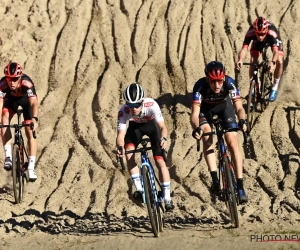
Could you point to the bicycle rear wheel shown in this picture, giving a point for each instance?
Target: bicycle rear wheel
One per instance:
(151, 203)
(231, 201)
(16, 174)
(251, 106)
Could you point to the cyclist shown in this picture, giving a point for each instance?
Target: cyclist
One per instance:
(17, 89)
(263, 32)
(217, 94)
(145, 118)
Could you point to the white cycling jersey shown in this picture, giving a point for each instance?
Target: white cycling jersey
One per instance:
(150, 111)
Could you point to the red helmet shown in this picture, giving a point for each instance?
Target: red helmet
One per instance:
(13, 69)
(215, 70)
(261, 25)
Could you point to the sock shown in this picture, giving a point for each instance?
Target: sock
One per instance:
(137, 181)
(214, 176)
(240, 185)
(275, 84)
(7, 150)
(31, 162)
(167, 190)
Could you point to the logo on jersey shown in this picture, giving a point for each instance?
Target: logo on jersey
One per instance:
(148, 104)
(127, 110)
(120, 114)
(30, 93)
(232, 94)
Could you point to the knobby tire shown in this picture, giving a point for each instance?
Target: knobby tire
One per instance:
(251, 106)
(230, 194)
(16, 162)
(150, 201)
(265, 85)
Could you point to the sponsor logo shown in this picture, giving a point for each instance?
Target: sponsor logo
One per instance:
(148, 104)
(29, 92)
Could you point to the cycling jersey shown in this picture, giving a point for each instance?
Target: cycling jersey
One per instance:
(150, 111)
(272, 38)
(26, 88)
(20, 97)
(203, 93)
(216, 104)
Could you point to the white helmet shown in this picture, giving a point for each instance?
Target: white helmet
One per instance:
(134, 93)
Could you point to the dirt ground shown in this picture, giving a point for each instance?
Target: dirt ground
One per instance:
(81, 55)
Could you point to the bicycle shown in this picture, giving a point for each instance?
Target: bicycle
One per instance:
(152, 197)
(259, 89)
(19, 164)
(229, 192)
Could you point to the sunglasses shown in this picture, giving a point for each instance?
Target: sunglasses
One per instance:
(13, 79)
(134, 105)
(260, 34)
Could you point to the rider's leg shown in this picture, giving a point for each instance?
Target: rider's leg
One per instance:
(237, 160)
(278, 72)
(209, 156)
(133, 168)
(32, 142)
(6, 138)
(164, 176)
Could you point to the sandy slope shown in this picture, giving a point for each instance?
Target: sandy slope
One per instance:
(81, 55)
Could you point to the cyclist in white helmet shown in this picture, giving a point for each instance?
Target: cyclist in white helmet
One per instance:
(145, 118)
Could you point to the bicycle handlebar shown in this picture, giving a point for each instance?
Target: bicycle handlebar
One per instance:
(19, 126)
(245, 135)
(139, 150)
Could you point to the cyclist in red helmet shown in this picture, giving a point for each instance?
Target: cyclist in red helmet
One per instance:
(217, 94)
(17, 89)
(263, 32)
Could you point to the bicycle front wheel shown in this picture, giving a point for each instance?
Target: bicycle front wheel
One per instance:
(251, 106)
(151, 203)
(230, 194)
(266, 84)
(16, 173)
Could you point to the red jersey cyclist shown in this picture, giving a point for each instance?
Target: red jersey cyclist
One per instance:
(17, 89)
(145, 118)
(262, 32)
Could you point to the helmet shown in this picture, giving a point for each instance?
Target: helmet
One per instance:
(260, 25)
(215, 70)
(134, 93)
(13, 69)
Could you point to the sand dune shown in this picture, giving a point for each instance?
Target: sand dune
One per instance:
(81, 55)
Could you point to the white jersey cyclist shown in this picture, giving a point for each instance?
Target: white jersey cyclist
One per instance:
(150, 110)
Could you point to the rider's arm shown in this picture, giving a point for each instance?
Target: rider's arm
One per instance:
(163, 129)
(120, 138)
(33, 101)
(241, 56)
(34, 106)
(1, 106)
(239, 109)
(194, 118)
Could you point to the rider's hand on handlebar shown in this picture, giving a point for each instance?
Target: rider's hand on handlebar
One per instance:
(119, 153)
(35, 123)
(163, 143)
(243, 125)
(197, 133)
(271, 67)
(239, 65)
